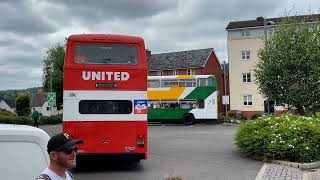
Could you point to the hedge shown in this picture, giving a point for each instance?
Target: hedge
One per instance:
(8, 118)
(288, 138)
(51, 120)
(15, 119)
(6, 113)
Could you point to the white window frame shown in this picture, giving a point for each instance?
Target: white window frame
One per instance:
(245, 32)
(191, 72)
(245, 55)
(246, 100)
(246, 77)
(175, 72)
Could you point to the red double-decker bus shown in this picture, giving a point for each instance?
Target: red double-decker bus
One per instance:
(105, 94)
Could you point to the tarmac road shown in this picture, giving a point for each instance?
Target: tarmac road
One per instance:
(199, 152)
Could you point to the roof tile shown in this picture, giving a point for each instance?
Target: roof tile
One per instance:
(179, 60)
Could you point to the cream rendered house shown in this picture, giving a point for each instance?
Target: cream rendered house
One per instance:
(244, 40)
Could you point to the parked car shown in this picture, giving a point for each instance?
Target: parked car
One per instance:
(23, 152)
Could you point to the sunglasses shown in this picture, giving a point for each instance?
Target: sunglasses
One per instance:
(69, 151)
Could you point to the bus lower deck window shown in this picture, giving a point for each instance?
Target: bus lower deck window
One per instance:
(105, 107)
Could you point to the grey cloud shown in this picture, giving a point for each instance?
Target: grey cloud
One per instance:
(18, 52)
(19, 17)
(96, 11)
(30, 27)
(20, 80)
(9, 45)
(235, 9)
(19, 76)
(22, 61)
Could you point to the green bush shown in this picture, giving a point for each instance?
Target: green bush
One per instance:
(15, 119)
(51, 120)
(6, 113)
(288, 138)
(23, 104)
(221, 118)
(9, 118)
(256, 115)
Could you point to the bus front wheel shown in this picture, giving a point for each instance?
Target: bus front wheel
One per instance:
(188, 119)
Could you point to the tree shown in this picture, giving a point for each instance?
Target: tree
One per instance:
(289, 67)
(23, 104)
(53, 72)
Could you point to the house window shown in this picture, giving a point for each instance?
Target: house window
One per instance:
(154, 83)
(175, 72)
(246, 77)
(245, 54)
(245, 33)
(191, 72)
(247, 100)
(160, 73)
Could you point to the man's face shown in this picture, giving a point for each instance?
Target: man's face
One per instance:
(66, 159)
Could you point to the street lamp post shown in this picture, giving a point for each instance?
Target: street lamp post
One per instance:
(50, 77)
(265, 23)
(225, 87)
(50, 74)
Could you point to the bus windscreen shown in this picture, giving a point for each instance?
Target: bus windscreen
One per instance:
(86, 53)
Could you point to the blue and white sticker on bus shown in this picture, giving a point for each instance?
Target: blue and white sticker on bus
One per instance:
(140, 107)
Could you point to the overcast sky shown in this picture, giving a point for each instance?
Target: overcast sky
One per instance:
(29, 27)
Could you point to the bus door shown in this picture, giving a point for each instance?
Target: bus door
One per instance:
(208, 96)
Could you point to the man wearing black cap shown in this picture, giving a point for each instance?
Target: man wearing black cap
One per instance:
(62, 151)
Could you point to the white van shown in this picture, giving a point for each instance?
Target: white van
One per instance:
(23, 152)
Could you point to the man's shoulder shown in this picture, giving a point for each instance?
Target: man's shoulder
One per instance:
(70, 174)
(43, 177)
(48, 174)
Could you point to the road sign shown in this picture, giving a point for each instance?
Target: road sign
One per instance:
(225, 100)
(51, 98)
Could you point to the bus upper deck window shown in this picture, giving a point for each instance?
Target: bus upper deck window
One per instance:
(80, 59)
(105, 54)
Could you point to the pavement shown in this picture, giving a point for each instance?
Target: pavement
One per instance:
(314, 175)
(278, 172)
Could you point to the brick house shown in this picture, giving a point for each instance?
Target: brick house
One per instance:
(192, 62)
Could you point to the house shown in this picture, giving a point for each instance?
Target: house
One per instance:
(7, 104)
(192, 62)
(40, 103)
(244, 40)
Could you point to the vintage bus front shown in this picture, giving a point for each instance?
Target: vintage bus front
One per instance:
(105, 95)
